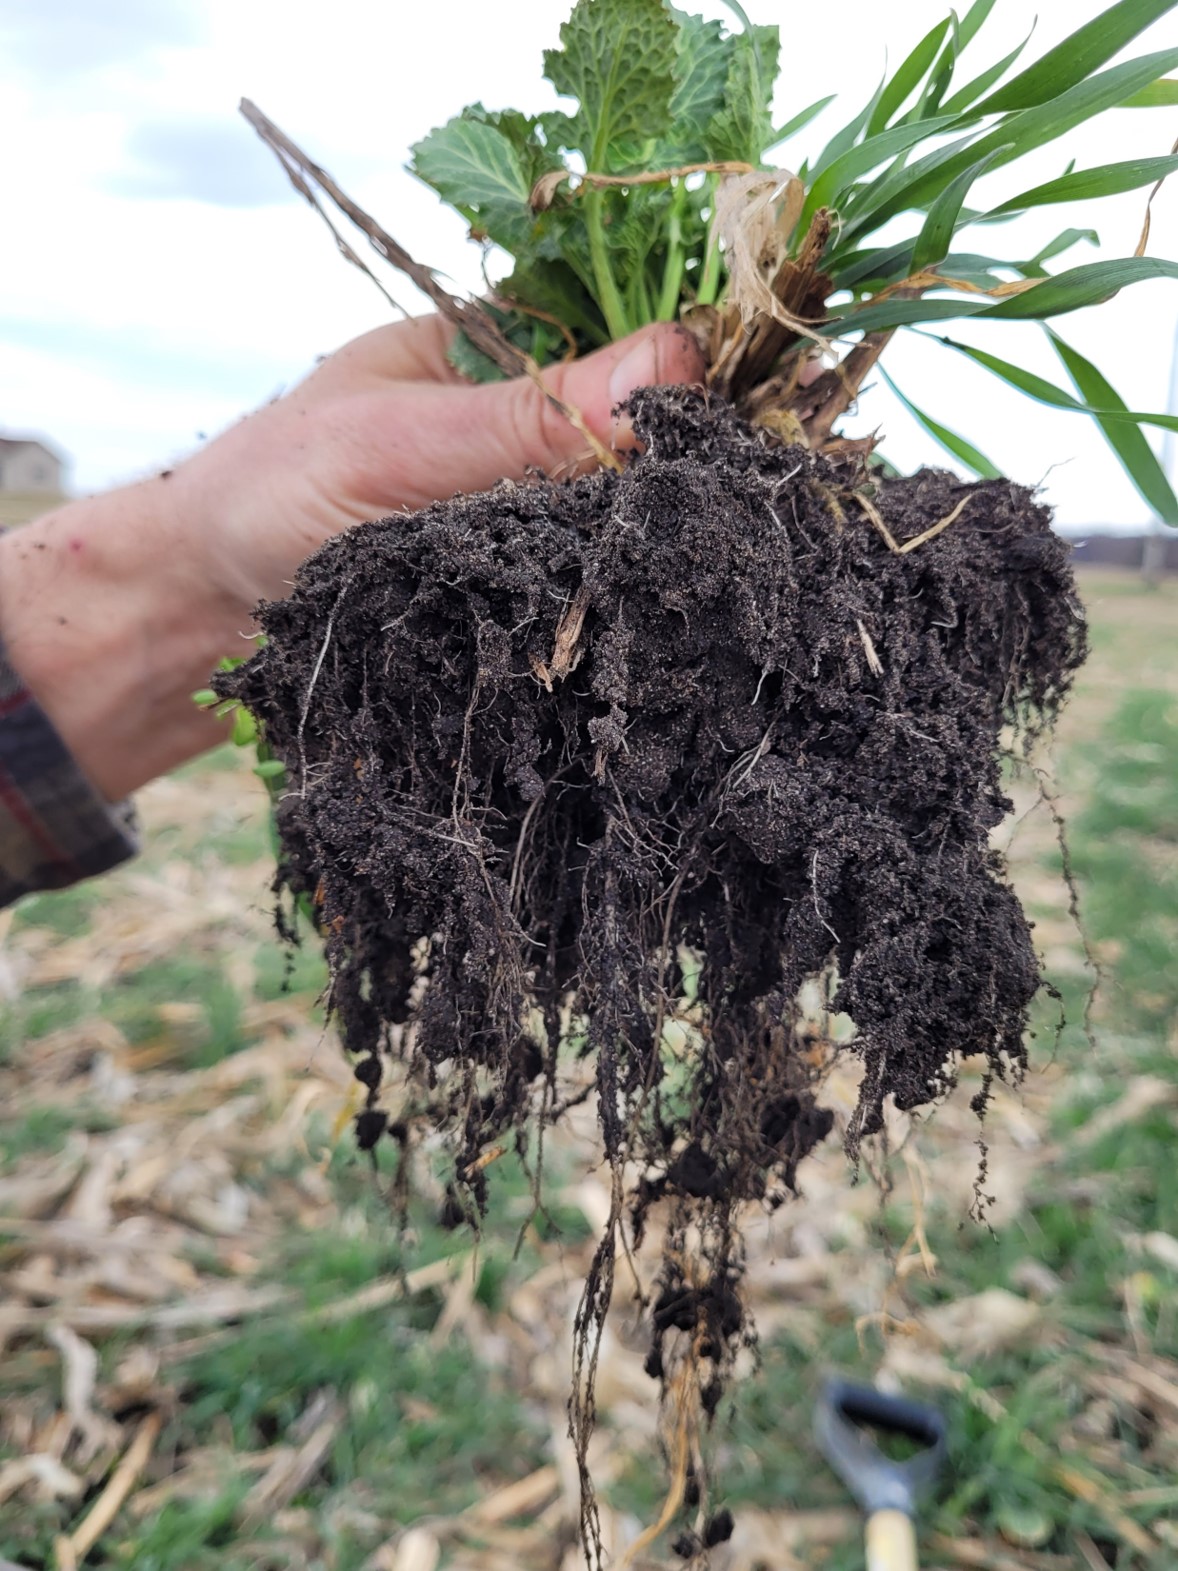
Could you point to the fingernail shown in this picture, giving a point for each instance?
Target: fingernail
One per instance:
(639, 368)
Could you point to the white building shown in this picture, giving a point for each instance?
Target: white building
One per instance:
(29, 466)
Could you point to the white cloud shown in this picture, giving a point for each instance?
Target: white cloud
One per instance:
(164, 282)
(204, 158)
(79, 38)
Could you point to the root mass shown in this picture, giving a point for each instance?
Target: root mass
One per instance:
(610, 768)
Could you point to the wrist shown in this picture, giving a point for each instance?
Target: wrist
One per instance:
(112, 624)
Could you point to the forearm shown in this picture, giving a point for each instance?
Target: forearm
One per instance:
(111, 622)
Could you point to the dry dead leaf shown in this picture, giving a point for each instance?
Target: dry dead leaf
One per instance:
(756, 215)
(414, 1550)
(292, 1470)
(52, 1480)
(983, 1323)
(79, 1377)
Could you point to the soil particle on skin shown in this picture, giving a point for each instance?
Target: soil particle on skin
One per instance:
(554, 747)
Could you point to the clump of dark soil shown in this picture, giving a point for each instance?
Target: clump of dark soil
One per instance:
(611, 767)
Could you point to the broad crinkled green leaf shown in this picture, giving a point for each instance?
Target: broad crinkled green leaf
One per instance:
(617, 59)
(555, 287)
(471, 162)
(470, 362)
(743, 128)
(703, 57)
(519, 329)
(473, 165)
(535, 156)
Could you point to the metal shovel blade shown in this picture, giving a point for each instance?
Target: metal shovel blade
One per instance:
(841, 1420)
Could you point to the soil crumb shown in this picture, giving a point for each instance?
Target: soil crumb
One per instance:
(611, 768)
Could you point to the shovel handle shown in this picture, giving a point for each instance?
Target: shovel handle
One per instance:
(891, 1542)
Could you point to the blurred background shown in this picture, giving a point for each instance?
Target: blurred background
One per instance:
(218, 1350)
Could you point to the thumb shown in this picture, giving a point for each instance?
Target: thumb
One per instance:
(515, 427)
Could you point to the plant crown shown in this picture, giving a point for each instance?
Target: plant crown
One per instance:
(653, 89)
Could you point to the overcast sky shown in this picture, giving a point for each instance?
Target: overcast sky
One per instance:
(158, 278)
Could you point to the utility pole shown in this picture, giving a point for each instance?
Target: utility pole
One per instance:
(1153, 551)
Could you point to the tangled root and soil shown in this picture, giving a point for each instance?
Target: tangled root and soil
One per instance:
(612, 767)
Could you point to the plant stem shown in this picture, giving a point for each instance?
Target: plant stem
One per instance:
(709, 284)
(642, 307)
(668, 306)
(608, 293)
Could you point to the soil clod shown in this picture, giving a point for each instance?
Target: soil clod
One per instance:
(612, 768)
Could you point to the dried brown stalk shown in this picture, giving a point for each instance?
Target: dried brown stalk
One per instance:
(1143, 242)
(73, 1550)
(471, 316)
(825, 400)
(545, 189)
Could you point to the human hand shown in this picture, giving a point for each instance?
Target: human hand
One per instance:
(116, 608)
(386, 424)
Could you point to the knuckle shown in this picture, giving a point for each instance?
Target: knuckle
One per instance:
(539, 430)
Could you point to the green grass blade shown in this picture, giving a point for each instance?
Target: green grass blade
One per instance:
(1046, 392)
(798, 121)
(1158, 95)
(984, 81)
(880, 191)
(1127, 441)
(967, 28)
(883, 465)
(908, 77)
(940, 77)
(944, 216)
(923, 181)
(889, 264)
(1070, 291)
(1081, 53)
(1088, 184)
(881, 264)
(859, 160)
(1081, 286)
(1036, 387)
(871, 318)
(965, 452)
(842, 140)
(1064, 242)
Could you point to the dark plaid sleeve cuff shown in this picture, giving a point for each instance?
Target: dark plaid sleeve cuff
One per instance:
(54, 826)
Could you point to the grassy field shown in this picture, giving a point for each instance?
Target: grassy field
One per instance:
(218, 1351)
(19, 507)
